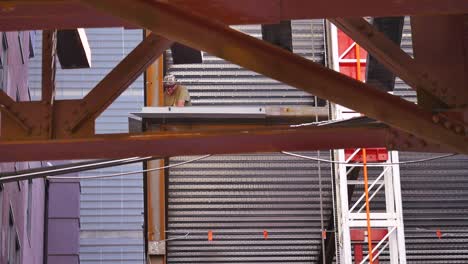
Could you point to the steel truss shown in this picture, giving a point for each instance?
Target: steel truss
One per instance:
(42, 124)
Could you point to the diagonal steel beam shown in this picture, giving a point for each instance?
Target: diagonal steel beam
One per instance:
(119, 79)
(389, 54)
(222, 41)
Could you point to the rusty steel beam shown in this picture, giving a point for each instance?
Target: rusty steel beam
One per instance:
(49, 50)
(119, 79)
(390, 55)
(165, 144)
(49, 67)
(440, 48)
(68, 14)
(254, 54)
(10, 110)
(273, 11)
(51, 14)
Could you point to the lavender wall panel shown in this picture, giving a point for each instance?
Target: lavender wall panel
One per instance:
(15, 195)
(63, 236)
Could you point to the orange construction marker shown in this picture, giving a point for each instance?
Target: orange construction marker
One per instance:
(210, 235)
(265, 234)
(439, 234)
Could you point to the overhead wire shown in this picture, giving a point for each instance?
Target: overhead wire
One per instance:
(20, 177)
(369, 165)
(130, 172)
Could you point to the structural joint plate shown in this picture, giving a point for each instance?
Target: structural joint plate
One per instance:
(157, 247)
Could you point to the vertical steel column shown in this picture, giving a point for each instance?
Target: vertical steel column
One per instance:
(156, 180)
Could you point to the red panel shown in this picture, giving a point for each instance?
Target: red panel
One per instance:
(349, 68)
(373, 155)
(358, 255)
(357, 235)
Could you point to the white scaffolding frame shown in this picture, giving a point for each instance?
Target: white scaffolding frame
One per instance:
(351, 218)
(348, 217)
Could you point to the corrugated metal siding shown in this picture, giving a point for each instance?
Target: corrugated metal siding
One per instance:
(401, 88)
(217, 82)
(435, 197)
(237, 197)
(111, 209)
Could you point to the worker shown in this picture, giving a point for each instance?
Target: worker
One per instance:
(174, 93)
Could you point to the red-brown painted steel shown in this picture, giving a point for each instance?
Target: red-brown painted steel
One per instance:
(162, 144)
(49, 14)
(440, 49)
(119, 79)
(276, 63)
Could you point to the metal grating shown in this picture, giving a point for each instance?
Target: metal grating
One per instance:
(435, 197)
(237, 197)
(217, 82)
(401, 88)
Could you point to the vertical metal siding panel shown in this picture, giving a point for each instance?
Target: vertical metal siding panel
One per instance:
(401, 88)
(435, 196)
(239, 196)
(218, 82)
(111, 209)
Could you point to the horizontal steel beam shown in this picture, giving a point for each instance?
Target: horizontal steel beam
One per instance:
(264, 11)
(165, 144)
(254, 54)
(66, 14)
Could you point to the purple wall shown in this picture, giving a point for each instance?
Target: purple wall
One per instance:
(64, 196)
(64, 222)
(15, 195)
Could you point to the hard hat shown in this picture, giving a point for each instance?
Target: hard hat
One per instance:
(169, 80)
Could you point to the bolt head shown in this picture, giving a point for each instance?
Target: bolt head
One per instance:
(447, 124)
(459, 129)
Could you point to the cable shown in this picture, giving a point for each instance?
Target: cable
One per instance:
(177, 237)
(63, 169)
(128, 173)
(368, 165)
